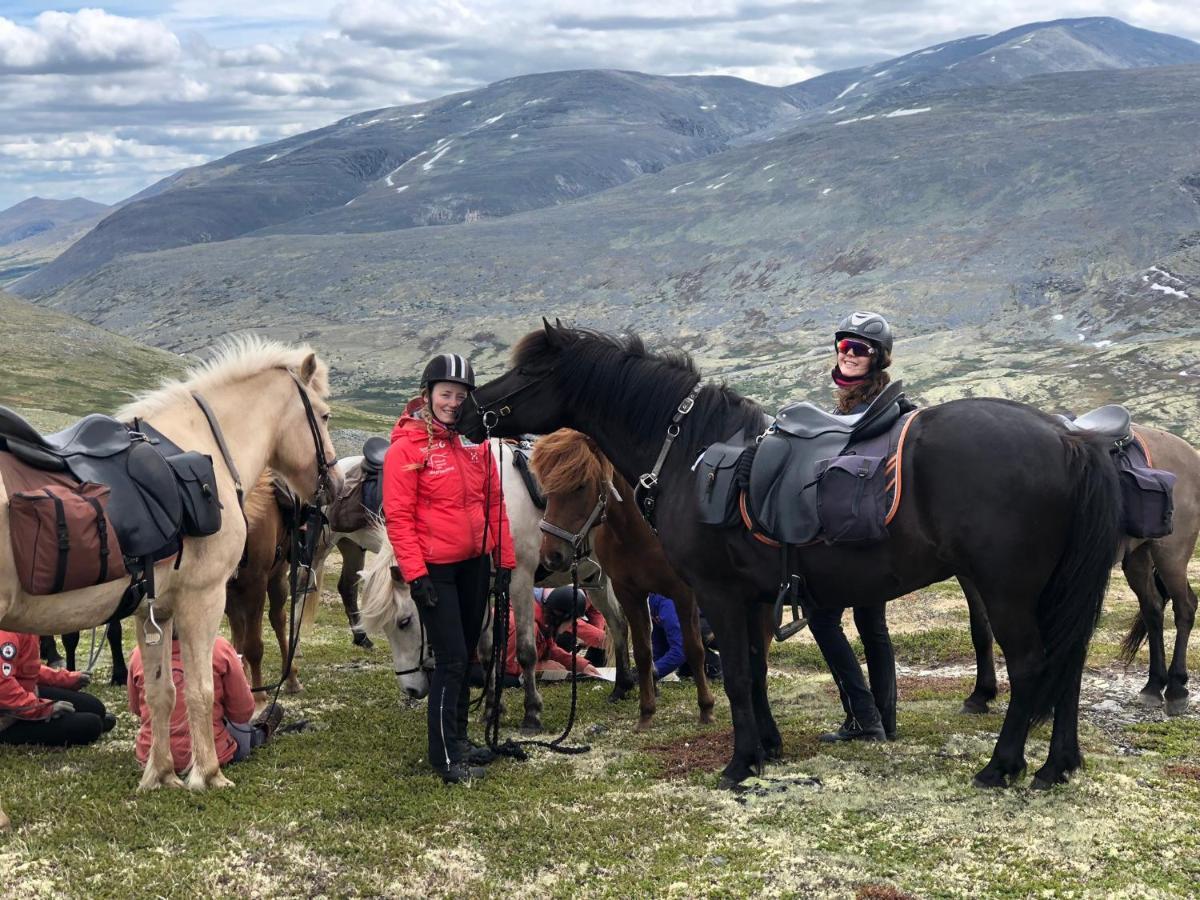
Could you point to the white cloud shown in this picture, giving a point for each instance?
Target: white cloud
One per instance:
(86, 41)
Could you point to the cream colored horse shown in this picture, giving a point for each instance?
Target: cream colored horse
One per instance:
(253, 387)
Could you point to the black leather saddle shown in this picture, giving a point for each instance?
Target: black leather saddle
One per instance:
(144, 506)
(792, 455)
(1111, 421)
(374, 450)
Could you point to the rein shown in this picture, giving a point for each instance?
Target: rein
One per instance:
(646, 492)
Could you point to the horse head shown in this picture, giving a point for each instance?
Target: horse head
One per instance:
(303, 453)
(388, 607)
(577, 480)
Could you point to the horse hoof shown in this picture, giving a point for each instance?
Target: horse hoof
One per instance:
(118, 680)
(707, 717)
(152, 781)
(616, 696)
(989, 780)
(361, 640)
(528, 728)
(1150, 699)
(292, 687)
(726, 783)
(1177, 707)
(644, 724)
(973, 708)
(197, 782)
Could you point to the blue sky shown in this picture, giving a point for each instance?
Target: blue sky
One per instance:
(101, 100)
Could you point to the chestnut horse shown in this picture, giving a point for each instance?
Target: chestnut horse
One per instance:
(268, 400)
(993, 490)
(585, 497)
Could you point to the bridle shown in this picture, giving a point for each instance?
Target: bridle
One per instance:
(424, 663)
(577, 540)
(490, 417)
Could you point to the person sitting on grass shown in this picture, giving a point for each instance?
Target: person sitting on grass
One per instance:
(550, 615)
(590, 629)
(666, 636)
(233, 708)
(41, 705)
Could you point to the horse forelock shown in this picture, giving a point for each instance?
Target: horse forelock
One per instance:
(566, 459)
(234, 359)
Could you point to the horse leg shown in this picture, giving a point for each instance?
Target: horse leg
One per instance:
(1172, 570)
(1064, 756)
(1138, 566)
(772, 742)
(199, 635)
(49, 650)
(353, 558)
(617, 642)
(70, 647)
(730, 625)
(693, 649)
(522, 605)
(985, 662)
(252, 638)
(120, 674)
(277, 592)
(160, 697)
(637, 613)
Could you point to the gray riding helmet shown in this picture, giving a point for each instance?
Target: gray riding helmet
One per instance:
(867, 325)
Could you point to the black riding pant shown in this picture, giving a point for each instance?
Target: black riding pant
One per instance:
(866, 706)
(452, 628)
(83, 726)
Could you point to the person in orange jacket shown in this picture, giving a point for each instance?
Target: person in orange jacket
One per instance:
(233, 708)
(445, 516)
(41, 705)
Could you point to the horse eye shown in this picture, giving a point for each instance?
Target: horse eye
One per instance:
(404, 623)
(325, 418)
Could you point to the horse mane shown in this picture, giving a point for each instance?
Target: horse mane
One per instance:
(566, 459)
(379, 603)
(234, 359)
(619, 376)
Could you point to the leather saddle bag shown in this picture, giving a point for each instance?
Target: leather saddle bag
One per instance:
(63, 538)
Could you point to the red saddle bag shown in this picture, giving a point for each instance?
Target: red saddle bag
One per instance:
(63, 539)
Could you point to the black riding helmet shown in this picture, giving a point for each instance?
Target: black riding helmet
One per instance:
(561, 606)
(448, 367)
(868, 326)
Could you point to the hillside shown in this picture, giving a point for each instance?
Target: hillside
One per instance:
(37, 230)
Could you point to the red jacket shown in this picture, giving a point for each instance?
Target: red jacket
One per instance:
(433, 499)
(591, 627)
(21, 671)
(547, 648)
(231, 700)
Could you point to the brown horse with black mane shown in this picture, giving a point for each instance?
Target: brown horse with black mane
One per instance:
(584, 493)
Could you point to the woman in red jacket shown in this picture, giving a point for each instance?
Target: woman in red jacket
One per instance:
(446, 520)
(41, 705)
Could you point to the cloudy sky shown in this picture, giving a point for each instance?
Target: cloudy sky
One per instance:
(101, 101)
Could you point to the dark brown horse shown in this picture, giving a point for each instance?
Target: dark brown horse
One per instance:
(263, 574)
(1155, 569)
(583, 492)
(993, 490)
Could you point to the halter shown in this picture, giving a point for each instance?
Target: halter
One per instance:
(599, 514)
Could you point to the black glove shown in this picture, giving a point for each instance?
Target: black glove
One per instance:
(563, 639)
(423, 592)
(503, 581)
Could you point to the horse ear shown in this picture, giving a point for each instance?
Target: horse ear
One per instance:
(396, 576)
(308, 368)
(552, 332)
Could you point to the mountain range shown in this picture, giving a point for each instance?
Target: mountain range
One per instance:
(1027, 190)
(35, 231)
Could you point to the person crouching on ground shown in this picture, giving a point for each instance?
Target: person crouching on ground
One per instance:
(234, 733)
(42, 705)
(446, 520)
(551, 616)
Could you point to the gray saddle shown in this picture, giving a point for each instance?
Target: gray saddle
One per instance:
(145, 506)
(374, 450)
(795, 453)
(1111, 421)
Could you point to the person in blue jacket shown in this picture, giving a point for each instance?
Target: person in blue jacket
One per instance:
(666, 636)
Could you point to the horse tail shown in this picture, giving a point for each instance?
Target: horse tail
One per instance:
(1070, 603)
(1137, 628)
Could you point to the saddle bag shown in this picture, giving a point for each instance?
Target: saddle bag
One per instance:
(717, 484)
(1147, 501)
(197, 492)
(63, 538)
(852, 502)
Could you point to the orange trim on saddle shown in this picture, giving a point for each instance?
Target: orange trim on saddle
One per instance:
(896, 466)
(750, 525)
(1141, 441)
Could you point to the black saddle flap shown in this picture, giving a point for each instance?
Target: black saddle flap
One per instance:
(716, 484)
(146, 509)
(198, 493)
(373, 451)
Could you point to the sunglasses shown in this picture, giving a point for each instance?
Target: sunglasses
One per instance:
(854, 348)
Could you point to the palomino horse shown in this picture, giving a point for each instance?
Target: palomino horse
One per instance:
(584, 494)
(269, 402)
(992, 489)
(1155, 569)
(262, 575)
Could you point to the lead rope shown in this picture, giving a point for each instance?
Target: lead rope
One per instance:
(500, 643)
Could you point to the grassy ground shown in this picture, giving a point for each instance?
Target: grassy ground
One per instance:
(349, 807)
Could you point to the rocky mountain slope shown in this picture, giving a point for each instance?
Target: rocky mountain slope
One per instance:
(37, 230)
